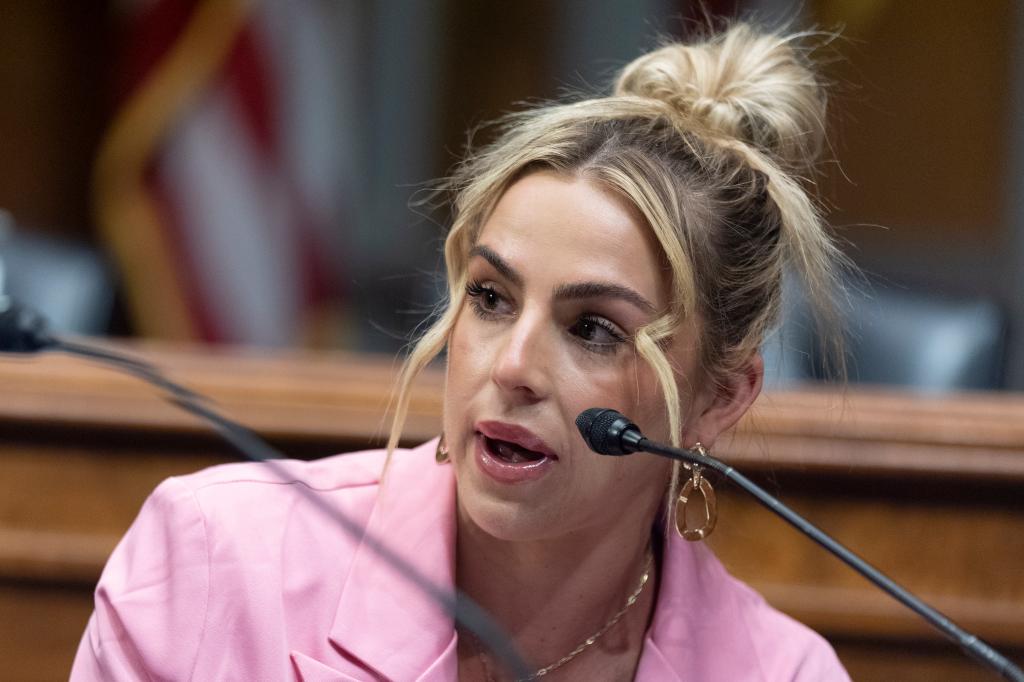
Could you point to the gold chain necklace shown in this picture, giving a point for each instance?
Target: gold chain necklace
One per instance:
(585, 644)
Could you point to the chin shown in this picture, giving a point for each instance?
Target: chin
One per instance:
(509, 519)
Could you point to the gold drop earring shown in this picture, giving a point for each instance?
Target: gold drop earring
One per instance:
(441, 454)
(696, 484)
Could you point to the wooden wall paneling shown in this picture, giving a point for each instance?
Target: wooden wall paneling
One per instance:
(41, 625)
(55, 70)
(920, 116)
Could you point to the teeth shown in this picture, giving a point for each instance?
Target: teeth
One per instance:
(513, 453)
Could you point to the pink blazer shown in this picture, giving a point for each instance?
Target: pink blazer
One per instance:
(232, 574)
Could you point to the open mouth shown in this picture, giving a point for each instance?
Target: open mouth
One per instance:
(511, 453)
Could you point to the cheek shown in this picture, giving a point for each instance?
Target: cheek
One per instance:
(635, 392)
(467, 370)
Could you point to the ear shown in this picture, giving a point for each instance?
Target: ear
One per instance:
(720, 410)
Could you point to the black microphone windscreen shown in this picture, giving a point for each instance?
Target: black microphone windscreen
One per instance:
(595, 426)
(586, 419)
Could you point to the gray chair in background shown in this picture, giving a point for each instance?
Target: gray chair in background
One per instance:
(69, 283)
(925, 343)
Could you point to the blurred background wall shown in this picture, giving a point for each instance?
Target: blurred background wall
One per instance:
(243, 172)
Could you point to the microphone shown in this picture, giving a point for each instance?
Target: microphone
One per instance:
(21, 330)
(24, 331)
(609, 432)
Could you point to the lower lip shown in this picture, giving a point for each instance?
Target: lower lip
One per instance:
(505, 472)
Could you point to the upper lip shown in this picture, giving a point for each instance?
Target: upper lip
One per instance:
(513, 433)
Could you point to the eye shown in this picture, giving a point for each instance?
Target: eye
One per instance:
(489, 299)
(597, 333)
(485, 300)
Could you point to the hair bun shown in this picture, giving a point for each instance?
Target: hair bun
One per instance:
(744, 84)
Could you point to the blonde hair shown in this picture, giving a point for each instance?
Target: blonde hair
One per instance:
(713, 142)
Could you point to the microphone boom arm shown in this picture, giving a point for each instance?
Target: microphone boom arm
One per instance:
(608, 432)
(971, 644)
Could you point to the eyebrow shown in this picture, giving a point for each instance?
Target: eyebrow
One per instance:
(499, 263)
(582, 290)
(564, 292)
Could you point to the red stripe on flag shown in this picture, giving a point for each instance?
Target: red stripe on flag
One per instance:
(249, 79)
(248, 76)
(318, 283)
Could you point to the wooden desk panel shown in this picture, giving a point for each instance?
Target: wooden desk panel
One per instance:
(931, 490)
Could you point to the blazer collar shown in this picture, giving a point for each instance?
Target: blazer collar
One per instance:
(382, 620)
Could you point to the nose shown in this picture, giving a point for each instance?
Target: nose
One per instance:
(521, 368)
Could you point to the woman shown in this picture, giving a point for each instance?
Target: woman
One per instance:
(621, 252)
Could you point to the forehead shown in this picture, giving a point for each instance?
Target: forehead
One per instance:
(576, 228)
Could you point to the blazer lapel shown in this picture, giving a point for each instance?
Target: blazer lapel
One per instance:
(654, 666)
(311, 670)
(694, 619)
(382, 619)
